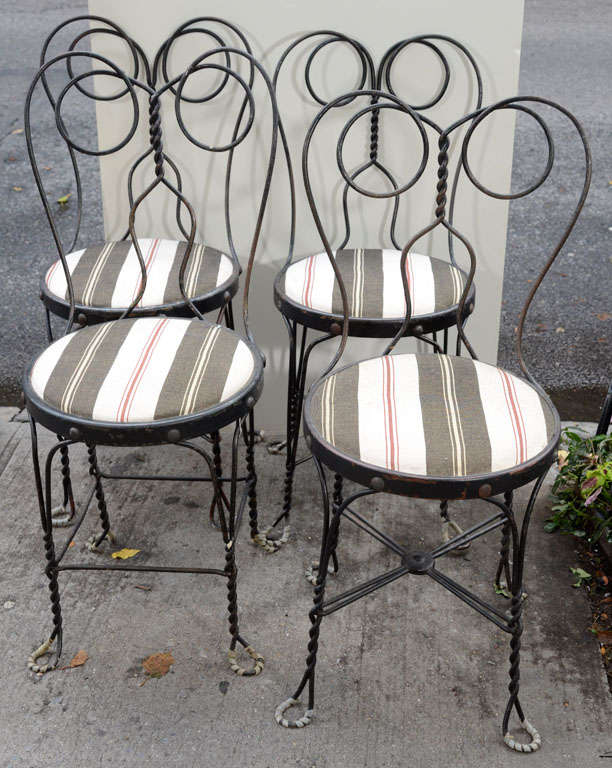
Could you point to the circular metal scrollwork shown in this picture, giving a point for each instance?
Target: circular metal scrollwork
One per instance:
(443, 60)
(319, 47)
(470, 132)
(113, 72)
(248, 96)
(377, 106)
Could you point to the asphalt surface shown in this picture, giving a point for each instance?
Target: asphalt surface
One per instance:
(566, 56)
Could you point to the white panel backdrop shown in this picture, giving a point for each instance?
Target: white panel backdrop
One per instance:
(492, 32)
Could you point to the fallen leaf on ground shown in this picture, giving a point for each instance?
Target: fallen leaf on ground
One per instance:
(79, 659)
(124, 554)
(17, 189)
(158, 664)
(17, 130)
(47, 167)
(71, 544)
(604, 635)
(64, 199)
(144, 587)
(603, 315)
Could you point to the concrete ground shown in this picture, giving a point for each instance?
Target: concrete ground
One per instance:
(566, 56)
(407, 676)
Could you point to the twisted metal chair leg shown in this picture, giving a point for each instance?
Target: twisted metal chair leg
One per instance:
(516, 626)
(61, 516)
(312, 571)
(329, 544)
(504, 586)
(232, 608)
(94, 542)
(51, 571)
(216, 450)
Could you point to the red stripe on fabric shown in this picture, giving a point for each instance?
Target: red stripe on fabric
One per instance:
(391, 449)
(511, 414)
(309, 282)
(410, 276)
(143, 360)
(149, 259)
(50, 273)
(520, 422)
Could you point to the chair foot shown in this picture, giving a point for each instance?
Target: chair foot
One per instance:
(312, 572)
(258, 666)
(94, 542)
(42, 650)
(61, 516)
(262, 539)
(517, 746)
(301, 722)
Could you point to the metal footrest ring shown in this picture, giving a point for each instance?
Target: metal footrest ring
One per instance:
(42, 650)
(262, 539)
(301, 722)
(61, 516)
(232, 655)
(97, 548)
(517, 746)
(312, 572)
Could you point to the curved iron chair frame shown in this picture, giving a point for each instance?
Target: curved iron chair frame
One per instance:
(424, 328)
(375, 480)
(220, 299)
(237, 410)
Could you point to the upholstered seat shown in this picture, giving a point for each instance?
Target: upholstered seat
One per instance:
(142, 370)
(431, 416)
(373, 284)
(108, 275)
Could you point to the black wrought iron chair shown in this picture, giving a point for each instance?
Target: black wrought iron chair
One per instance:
(304, 290)
(139, 381)
(106, 275)
(433, 426)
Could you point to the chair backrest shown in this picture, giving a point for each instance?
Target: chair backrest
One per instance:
(440, 45)
(376, 103)
(321, 39)
(242, 127)
(229, 42)
(380, 100)
(131, 87)
(68, 38)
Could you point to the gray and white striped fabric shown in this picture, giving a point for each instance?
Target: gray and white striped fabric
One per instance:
(109, 275)
(434, 415)
(142, 369)
(373, 283)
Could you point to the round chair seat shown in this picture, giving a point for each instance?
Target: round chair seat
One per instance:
(106, 278)
(435, 425)
(140, 378)
(308, 292)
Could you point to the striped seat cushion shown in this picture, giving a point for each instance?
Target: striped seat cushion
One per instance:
(142, 369)
(431, 415)
(109, 275)
(373, 283)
